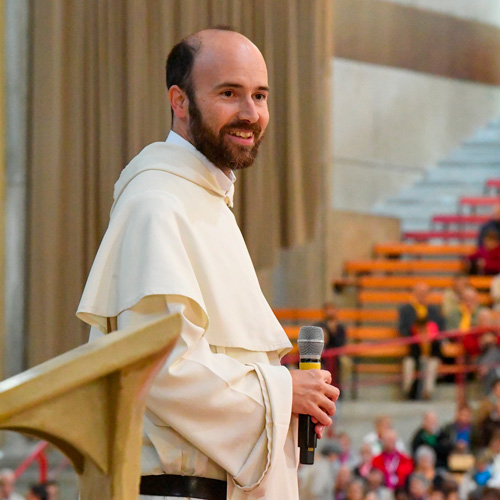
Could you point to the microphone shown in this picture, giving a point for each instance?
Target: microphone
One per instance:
(310, 342)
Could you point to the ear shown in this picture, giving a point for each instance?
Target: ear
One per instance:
(179, 101)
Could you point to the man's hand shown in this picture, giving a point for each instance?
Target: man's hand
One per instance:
(314, 395)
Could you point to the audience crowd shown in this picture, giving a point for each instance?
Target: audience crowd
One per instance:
(456, 460)
(40, 491)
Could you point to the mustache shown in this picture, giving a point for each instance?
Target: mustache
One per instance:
(242, 125)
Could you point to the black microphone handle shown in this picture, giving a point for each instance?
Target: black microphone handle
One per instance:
(307, 439)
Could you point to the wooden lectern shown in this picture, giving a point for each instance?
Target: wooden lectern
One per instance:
(90, 402)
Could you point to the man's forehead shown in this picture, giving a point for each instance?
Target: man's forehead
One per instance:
(226, 56)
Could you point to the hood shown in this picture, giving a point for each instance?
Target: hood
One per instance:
(169, 158)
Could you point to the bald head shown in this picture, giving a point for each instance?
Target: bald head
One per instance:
(421, 292)
(218, 86)
(204, 48)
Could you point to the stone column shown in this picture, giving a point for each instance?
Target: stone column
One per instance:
(17, 91)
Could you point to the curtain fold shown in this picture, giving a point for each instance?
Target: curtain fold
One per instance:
(98, 97)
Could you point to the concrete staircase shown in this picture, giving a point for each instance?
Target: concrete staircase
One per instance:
(463, 172)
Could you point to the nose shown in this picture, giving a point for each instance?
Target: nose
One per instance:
(248, 110)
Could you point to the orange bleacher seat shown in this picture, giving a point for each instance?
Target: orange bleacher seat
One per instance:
(298, 315)
(404, 266)
(363, 333)
(422, 249)
(292, 332)
(401, 282)
(401, 297)
(368, 315)
(286, 314)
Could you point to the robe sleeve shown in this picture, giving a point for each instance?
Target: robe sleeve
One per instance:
(236, 414)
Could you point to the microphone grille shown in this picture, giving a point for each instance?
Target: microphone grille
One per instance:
(310, 341)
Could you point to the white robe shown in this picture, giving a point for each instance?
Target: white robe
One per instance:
(221, 406)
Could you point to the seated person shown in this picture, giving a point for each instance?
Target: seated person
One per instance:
(456, 436)
(425, 465)
(452, 297)
(375, 483)
(495, 292)
(418, 487)
(316, 482)
(364, 466)
(488, 361)
(486, 406)
(395, 466)
(374, 439)
(354, 490)
(489, 426)
(475, 480)
(491, 225)
(418, 318)
(427, 434)
(486, 260)
(335, 336)
(37, 492)
(342, 480)
(465, 318)
(426, 357)
(8, 484)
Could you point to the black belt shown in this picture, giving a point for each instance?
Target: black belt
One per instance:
(169, 485)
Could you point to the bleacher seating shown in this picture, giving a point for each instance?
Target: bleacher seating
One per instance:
(492, 184)
(385, 282)
(398, 249)
(473, 202)
(392, 266)
(459, 220)
(440, 235)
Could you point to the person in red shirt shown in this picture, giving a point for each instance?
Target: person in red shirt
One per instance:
(486, 260)
(395, 466)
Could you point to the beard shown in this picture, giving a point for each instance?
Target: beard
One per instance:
(216, 147)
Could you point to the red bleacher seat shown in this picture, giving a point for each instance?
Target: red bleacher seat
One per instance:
(459, 219)
(476, 201)
(442, 235)
(493, 184)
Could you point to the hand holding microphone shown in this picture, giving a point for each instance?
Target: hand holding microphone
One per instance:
(313, 396)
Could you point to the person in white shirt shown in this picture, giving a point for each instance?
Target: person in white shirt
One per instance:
(221, 414)
(8, 485)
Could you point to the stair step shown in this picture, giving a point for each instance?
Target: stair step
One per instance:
(461, 173)
(468, 163)
(471, 154)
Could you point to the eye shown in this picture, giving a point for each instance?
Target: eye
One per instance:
(261, 97)
(228, 93)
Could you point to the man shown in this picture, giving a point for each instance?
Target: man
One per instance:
(317, 482)
(395, 466)
(456, 436)
(466, 317)
(221, 408)
(420, 319)
(374, 438)
(492, 224)
(427, 434)
(335, 336)
(7, 485)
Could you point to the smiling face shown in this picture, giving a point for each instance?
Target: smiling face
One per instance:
(226, 101)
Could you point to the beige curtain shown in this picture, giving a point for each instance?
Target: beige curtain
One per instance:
(98, 97)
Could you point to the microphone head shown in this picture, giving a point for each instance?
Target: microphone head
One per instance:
(311, 341)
